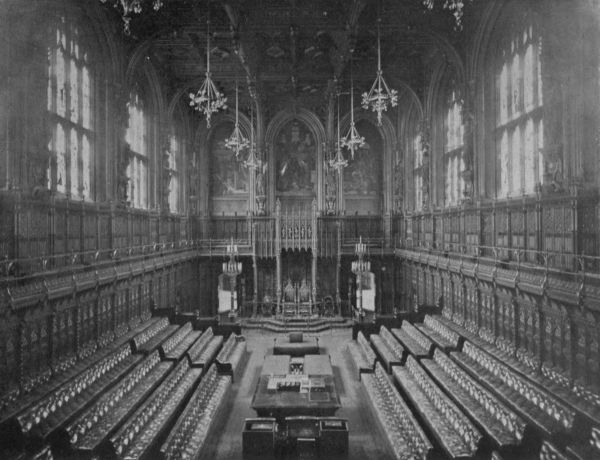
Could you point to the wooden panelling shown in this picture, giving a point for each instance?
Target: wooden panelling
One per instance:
(561, 225)
(542, 320)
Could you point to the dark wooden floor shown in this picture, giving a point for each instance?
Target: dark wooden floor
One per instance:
(367, 440)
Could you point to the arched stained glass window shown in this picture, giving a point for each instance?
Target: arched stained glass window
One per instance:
(136, 137)
(70, 109)
(418, 170)
(519, 119)
(453, 151)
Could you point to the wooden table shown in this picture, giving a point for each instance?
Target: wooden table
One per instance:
(318, 398)
(276, 365)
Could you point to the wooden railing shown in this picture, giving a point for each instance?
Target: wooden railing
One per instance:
(561, 224)
(51, 228)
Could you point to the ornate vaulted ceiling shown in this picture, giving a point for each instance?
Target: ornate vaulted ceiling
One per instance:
(293, 49)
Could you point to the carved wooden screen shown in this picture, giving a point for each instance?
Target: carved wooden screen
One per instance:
(488, 309)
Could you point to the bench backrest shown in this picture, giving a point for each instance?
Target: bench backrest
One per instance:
(172, 341)
(386, 334)
(441, 329)
(416, 335)
(461, 424)
(509, 419)
(542, 399)
(391, 341)
(147, 334)
(366, 347)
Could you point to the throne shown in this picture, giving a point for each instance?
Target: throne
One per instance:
(304, 300)
(289, 305)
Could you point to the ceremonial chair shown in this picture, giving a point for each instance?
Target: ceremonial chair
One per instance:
(289, 305)
(304, 300)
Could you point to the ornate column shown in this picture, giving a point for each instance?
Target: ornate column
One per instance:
(332, 205)
(314, 250)
(124, 154)
(468, 117)
(425, 168)
(193, 178)
(338, 269)
(278, 250)
(254, 270)
(165, 173)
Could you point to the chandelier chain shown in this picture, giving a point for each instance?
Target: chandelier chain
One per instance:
(380, 95)
(353, 139)
(208, 99)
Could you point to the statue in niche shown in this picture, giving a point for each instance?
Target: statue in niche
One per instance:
(330, 187)
(425, 148)
(399, 183)
(261, 172)
(553, 170)
(166, 174)
(295, 150)
(122, 179)
(260, 188)
(193, 176)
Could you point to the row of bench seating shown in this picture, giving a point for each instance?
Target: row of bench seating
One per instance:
(563, 420)
(539, 407)
(100, 420)
(502, 425)
(192, 428)
(441, 336)
(202, 353)
(455, 433)
(176, 346)
(136, 438)
(229, 358)
(390, 351)
(406, 437)
(80, 415)
(34, 390)
(473, 406)
(151, 338)
(35, 423)
(579, 397)
(362, 355)
(414, 340)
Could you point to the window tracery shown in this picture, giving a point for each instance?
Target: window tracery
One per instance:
(173, 171)
(418, 171)
(519, 120)
(137, 169)
(69, 105)
(454, 151)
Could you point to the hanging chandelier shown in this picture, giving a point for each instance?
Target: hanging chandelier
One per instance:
(208, 99)
(128, 7)
(380, 95)
(236, 142)
(338, 161)
(352, 140)
(455, 6)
